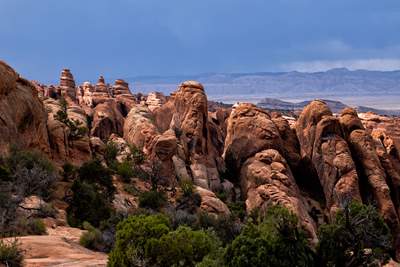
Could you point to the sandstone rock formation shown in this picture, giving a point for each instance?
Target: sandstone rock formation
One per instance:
(380, 179)
(107, 120)
(23, 119)
(250, 130)
(155, 100)
(266, 180)
(62, 146)
(321, 142)
(67, 84)
(210, 203)
(252, 148)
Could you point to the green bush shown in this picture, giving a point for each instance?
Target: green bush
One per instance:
(110, 154)
(88, 203)
(151, 200)
(10, 253)
(276, 241)
(357, 237)
(136, 155)
(31, 173)
(125, 170)
(187, 188)
(225, 227)
(147, 240)
(182, 247)
(238, 209)
(35, 227)
(47, 210)
(92, 239)
(68, 171)
(132, 236)
(94, 172)
(131, 189)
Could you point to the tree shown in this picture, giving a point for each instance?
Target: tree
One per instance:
(182, 247)
(76, 130)
(276, 241)
(357, 237)
(87, 204)
(93, 193)
(132, 235)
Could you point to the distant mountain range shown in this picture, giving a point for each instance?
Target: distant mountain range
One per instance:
(379, 89)
(335, 106)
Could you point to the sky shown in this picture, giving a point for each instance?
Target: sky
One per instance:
(126, 38)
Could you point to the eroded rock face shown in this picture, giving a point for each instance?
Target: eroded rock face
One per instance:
(139, 128)
(63, 148)
(380, 177)
(186, 115)
(67, 84)
(321, 142)
(155, 100)
(249, 130)
(365, 151)
(266, 180)
(22, 114)
(107, 120)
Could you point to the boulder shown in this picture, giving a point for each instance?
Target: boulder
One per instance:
(210, 203)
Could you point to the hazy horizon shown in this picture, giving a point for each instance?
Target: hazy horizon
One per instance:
(126, 38)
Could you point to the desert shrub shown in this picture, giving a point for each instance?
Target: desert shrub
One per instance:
(131, 189)
(76, 128)
(27, 226)
(187, 187)
(140, 173)
(225, 227)
(92, 239)
(88, 203)
(110, 154)
(94, 172)
(31, 173)
(357, 237)
(152, 199)
(68, 172)
(147, 240)
(132, 236)
(214, 259)
(10, 253)
(35, 227)
(182, 217)
(238, 209)
(125, 170)
(136, 155)
(182, 247)
(47, 210)
(276, 241)
(22, 173)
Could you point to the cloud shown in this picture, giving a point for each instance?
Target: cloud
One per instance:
(383, 64)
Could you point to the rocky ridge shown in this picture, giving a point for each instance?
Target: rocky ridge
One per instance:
(313, 166)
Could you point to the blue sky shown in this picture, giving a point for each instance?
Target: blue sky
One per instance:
(125, 38)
